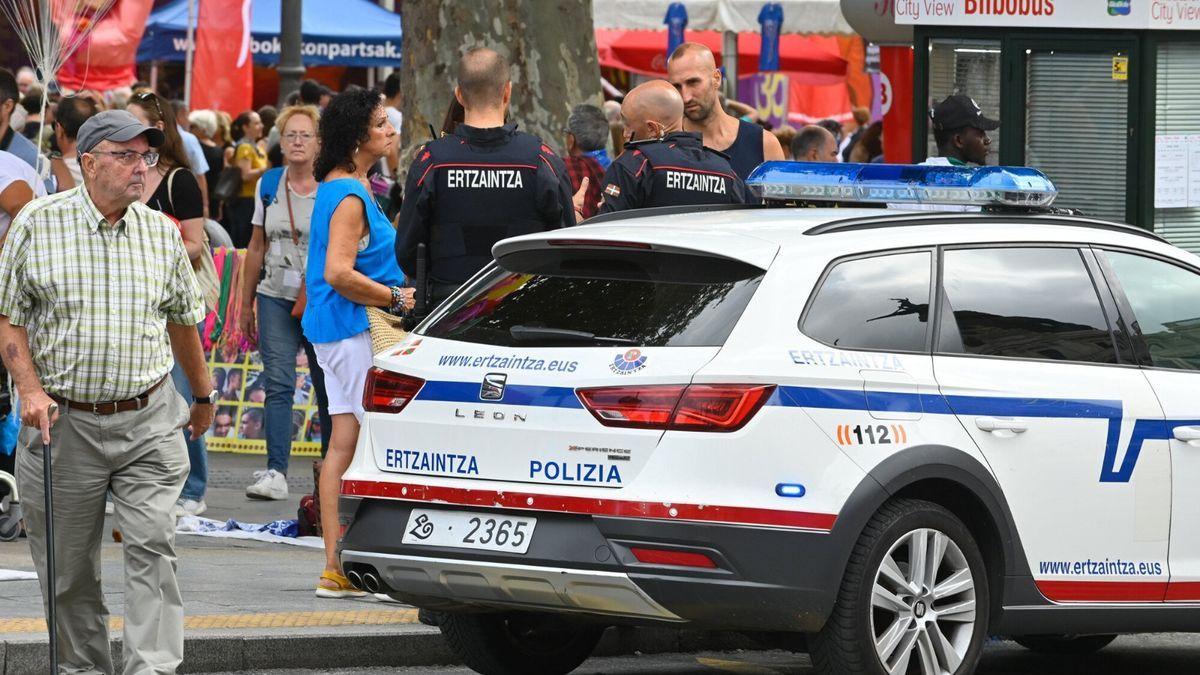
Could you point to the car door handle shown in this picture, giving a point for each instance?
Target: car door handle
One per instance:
(1001, 425)
(1189, 435)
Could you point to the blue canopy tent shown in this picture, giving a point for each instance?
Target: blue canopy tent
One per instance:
(342, 33)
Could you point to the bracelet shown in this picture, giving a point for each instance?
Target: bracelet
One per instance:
(397, 307)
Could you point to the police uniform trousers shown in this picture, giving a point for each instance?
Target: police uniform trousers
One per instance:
(141, 456)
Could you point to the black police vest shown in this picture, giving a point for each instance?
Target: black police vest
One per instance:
(684, 176)
(483, 195)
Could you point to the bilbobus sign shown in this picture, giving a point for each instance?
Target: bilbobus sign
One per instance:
(1114, 14)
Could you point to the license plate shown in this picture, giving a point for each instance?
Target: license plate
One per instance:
(466, 529)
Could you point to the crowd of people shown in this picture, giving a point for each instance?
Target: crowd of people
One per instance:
(310, 192)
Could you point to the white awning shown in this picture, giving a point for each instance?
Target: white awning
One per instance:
(799, 16)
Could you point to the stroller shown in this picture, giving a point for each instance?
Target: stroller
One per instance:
(10, 503)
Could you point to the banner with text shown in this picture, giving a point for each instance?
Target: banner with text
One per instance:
(1113, 14)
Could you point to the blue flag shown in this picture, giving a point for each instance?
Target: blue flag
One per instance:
(771, 20)
(676, 20)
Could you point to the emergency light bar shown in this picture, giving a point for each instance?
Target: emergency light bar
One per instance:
(903, 184)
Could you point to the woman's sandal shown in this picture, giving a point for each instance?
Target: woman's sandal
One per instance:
(334, 585)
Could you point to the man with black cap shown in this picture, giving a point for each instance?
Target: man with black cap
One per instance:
(97, 301)
(960, 130)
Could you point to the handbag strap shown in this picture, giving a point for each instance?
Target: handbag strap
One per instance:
(287, 195)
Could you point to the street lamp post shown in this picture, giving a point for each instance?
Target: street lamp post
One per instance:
(291, 67)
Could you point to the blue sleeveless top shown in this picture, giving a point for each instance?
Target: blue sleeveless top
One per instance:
(746, 152)
(329, 316)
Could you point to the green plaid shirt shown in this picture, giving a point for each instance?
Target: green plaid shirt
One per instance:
(95, 298)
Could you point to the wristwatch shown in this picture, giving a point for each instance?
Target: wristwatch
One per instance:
(206, 400)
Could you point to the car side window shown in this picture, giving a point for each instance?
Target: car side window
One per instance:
(1165, 299)
(881, 302)
(1029, 303)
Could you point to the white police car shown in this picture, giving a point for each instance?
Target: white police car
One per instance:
(895, 432)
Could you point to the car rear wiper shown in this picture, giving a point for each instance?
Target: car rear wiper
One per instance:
(540, 334)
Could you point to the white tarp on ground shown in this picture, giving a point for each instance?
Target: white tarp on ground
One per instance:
(232, 529)
(799, 16)
(16, 575)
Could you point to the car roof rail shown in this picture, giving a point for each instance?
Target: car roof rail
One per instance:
(959, 218)
(650, 212)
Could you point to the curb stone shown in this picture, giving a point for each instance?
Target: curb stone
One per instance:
(422, 646)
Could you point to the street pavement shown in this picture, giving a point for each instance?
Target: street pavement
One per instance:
(250, 608)
(1170, 654)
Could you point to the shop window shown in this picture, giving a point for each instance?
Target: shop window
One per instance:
(1076, 128)
(1177, 128)
(970, 67)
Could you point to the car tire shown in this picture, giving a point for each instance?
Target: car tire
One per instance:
(519, 643)
(1065, 645)
(940, 615)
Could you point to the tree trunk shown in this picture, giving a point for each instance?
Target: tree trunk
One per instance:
(550, 45)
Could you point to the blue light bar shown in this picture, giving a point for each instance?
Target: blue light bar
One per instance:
(903, 184)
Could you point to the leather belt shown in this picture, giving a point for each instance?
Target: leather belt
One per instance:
(111, 407)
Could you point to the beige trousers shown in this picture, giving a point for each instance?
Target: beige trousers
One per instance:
(141, 456)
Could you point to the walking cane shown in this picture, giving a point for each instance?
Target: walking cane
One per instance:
(47, 487)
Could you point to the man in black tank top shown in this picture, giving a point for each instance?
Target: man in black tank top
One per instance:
(663, 165)
(692, 70)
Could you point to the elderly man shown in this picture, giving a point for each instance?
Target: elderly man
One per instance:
(587, 132)
(663, 165)
(97, 298)
(815, 144)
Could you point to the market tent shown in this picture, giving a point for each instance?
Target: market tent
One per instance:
(342, 33)
(739, 16)
(807, 59)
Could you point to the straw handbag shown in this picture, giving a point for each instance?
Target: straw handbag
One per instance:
(386, 329)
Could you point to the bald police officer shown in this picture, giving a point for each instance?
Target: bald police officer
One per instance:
(485, 182)
(663, 165)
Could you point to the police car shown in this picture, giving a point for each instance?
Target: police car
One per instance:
(895, 432)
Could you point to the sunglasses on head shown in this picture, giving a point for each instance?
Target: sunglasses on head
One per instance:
(150, 96)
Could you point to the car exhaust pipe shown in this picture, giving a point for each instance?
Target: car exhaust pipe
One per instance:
(355, 579)
(371, 582)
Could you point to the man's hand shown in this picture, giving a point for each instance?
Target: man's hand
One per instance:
(39, 411)
(579, 198)
(202, 419)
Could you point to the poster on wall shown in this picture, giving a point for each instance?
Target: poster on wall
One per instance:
(239, 422)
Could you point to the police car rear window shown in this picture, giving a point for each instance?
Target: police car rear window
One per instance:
(641, 298)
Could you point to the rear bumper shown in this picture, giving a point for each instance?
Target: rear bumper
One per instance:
(765, 578)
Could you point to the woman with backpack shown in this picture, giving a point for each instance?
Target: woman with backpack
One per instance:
(274, 275)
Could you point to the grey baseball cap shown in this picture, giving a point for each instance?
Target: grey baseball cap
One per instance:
(115, 125)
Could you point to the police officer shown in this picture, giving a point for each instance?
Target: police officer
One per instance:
(483, 183)
(663, 165)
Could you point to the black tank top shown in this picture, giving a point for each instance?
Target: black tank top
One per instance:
(746, 153)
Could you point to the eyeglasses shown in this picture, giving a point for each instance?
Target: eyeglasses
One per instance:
(129, 157)
(150, 96)
(293, 136)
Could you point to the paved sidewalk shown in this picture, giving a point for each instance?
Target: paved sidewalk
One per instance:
(248, 604)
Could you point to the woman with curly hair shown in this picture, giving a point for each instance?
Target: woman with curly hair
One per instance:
(351, 266)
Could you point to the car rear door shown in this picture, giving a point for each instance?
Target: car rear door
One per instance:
(1162, 296)
(1027, 361)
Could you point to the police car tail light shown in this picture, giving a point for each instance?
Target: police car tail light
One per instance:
(697, 407)
(388, 392)
(1014, 186)
(719, 407)
(648, 407)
